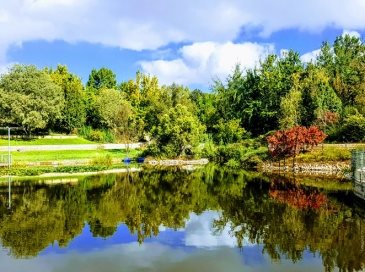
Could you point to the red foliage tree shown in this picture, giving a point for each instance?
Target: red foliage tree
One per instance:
(290, 142)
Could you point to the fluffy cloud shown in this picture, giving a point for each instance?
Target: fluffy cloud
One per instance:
(310, 56)
(143, 24)
(351, 33)
(199, 63)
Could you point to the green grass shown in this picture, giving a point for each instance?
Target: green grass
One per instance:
(64, 170)
(328, 153)
(45, 141)
(54, 155)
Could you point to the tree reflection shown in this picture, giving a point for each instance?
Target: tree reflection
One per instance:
(284, 216)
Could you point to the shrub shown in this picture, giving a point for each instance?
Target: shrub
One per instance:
(353, 128)
(104, 160)
(101, 136)
(96, 136)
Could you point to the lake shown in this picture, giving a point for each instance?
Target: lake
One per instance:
(210, 219)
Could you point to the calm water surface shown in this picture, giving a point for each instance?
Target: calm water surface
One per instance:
(170, 220)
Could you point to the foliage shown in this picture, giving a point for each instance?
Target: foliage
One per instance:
(245, 154)
(290, 142)
(102, 78)
(29, 99)
(228, 132)
(178, 131)
(74, 111)
(96, 135)
(281, 92)
(353, 128)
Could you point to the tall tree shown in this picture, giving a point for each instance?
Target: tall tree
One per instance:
(74, 111)
(102, 78)
(178, 130)
(291, 106)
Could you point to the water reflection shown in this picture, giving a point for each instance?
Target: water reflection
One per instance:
(207, 208)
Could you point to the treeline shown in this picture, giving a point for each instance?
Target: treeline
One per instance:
(280, 93)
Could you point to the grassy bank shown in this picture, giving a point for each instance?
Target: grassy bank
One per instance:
(54, 155)
(37, 171)
(328, 153)
(45, 141)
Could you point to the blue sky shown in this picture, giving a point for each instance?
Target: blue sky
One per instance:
(187, 42)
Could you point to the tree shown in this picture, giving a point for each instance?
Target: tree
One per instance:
(29, 99)
(276, 80)
(177, 131)
(74, 111)
(290, 106)
(102, 78)
(318, 95)
(290, 142)
(112, 109)
(228, 132)
(145, 95)
(353, 128)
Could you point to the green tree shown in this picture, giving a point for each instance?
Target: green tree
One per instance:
(112, 109)
(319, 97)
(227, 132)
(206, 110)
(102, 78)
(145, 95)
(291, 106)
(74, 111)
(353, 128)
(177, 131)
(29, 99)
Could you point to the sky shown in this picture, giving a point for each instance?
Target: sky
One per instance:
(190, 42)
(195, 248)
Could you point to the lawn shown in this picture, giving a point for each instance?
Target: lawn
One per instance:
(36, 156)
(328, 152)
(45, 141)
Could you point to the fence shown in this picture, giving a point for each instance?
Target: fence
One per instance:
(358, 165)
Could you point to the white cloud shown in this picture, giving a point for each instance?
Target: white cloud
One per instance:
(142, 24)
(200, 62)
(310, 56)
(351, 33)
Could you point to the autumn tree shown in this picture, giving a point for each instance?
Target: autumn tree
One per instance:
(290, 142)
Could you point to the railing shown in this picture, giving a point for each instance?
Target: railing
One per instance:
(358, 165)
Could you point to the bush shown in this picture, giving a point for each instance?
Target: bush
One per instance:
(353, 129)
(96, 136)
(245, 154)
(105, 160)
(100, 136)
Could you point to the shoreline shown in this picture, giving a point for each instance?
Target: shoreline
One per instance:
(334, 168)
(310, 168)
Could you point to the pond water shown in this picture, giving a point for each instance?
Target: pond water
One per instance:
(209, 219)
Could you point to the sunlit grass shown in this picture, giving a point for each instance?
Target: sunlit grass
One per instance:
(45, 141)
(54, 155)
(327, 153)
